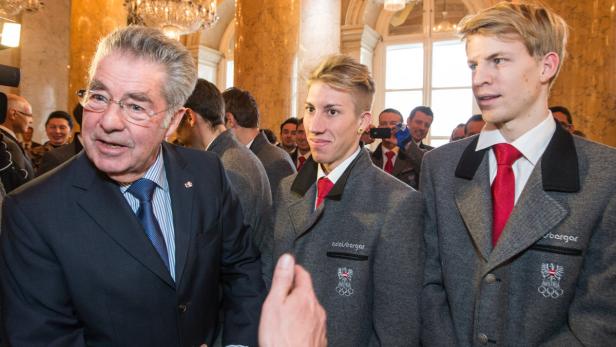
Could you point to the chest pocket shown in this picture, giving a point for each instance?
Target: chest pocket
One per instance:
(347, 256)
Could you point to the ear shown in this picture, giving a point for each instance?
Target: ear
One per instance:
(230, 121)
(191, 117)
(175, 121)
(365, 120)
(549, 66)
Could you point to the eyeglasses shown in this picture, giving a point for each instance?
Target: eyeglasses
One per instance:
(136, 112)
(24, 113)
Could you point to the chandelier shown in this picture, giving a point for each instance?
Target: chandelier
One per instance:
(395, 5)
(11, 8)
(173, 17)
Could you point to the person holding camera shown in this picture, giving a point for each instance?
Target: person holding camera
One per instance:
(388, 156)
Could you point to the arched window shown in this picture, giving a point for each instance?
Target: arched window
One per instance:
(425, 64)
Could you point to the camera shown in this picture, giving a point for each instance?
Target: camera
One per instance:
(380, 133)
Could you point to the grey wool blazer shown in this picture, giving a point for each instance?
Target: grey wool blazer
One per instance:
(363, 248)
(551, 278)
(249, 180)
(275, 160)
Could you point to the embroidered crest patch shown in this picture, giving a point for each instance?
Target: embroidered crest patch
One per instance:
(345, 275)
(550, 284)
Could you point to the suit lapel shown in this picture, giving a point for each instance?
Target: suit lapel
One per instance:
(533, 216)
(473, 198)
(181, 193)
(101, 199)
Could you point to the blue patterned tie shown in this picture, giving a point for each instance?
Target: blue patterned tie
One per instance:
(143, 189)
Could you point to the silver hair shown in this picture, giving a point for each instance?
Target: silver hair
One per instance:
(151, 44)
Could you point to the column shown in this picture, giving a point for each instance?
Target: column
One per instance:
(265, 49)
(319, 37)
(90, 21)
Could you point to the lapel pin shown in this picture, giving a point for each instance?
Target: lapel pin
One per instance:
(188, 184)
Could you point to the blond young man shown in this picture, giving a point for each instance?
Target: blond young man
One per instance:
(354, 228)
(520, 219)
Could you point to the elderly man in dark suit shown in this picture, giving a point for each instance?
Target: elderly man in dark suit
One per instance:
(203, 127)
(356, 229)
(520, 218)
(242, 117)
(130, 243)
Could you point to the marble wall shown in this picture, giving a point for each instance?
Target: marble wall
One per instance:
(587, 81)
(267, 33)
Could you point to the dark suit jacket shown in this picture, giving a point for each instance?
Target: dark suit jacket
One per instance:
(249, 180)
(275, 160)
(21, 170)
(77, 269)
(58, 156)
(363, 248)
(404, 168)
(550, 279)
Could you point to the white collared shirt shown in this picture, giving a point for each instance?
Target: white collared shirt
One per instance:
(393, 159)
(336, 173)
(532, 145)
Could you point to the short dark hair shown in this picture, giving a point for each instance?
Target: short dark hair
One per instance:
(393, 110)
(424, 109)
(207, 102)
(271, 137)
(243, 106)
(563, 110)
(290, 120)
(474, 118)
(60, 115)
(78, 114)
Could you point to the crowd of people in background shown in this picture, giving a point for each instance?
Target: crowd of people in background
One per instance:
(169, 217)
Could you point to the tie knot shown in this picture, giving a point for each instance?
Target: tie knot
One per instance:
(506, 154)
(142, 189)
(390, 154)
(301, 159)
(324, 185)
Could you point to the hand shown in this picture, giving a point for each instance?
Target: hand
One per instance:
(402, 135)
(292, 315)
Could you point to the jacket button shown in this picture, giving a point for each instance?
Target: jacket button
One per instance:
(490, 279)
(182, 308)
(483, 338)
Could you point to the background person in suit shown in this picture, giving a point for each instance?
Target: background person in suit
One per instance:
(302, 152)
(131, 243)
(288, 133)
(242, 117)
(58, 127)
(419, 121)
(388, 155)
(61, 154)
(17, 119)
(204, 120)
(520, 246)
(354, 228)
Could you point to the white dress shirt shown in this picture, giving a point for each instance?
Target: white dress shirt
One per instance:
(532, 145)
(336, 173)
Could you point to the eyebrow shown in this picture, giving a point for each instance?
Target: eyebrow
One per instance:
(137, 96)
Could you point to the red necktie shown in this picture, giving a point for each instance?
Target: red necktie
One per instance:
(301, 161)
(503, 187)
(324, 185)
(389, 164)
